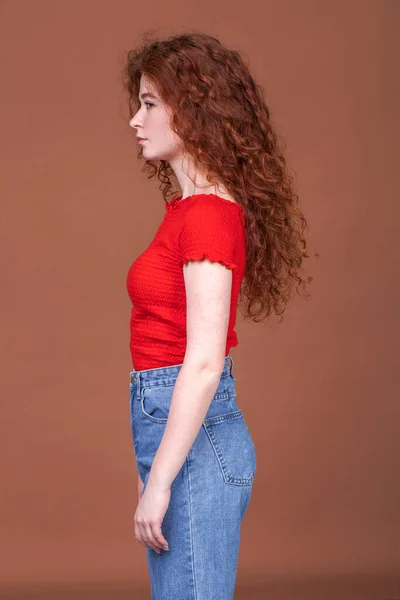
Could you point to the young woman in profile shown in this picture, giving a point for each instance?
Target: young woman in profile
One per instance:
(232, 230)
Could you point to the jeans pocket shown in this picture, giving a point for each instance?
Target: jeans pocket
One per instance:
(233, 447)
(155, 402)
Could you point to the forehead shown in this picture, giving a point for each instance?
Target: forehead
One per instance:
(146, 85)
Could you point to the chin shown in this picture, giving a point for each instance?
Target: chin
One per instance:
(153, 155)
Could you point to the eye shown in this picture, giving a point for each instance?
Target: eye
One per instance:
(149, 104)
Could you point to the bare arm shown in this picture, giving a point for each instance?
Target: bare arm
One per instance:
(208, 294)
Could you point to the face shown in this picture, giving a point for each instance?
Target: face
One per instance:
(152, 123)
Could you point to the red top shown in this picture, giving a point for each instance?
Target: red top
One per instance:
(200, 226)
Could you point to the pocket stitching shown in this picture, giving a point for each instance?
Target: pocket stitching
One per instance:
(132, 420)
(146, 414)
(214, 443)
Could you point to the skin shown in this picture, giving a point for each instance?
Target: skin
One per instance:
(208, 288)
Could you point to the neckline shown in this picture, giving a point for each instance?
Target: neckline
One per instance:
(175, 202)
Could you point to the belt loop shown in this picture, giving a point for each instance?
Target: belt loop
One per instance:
(134, 377)
(231, 365)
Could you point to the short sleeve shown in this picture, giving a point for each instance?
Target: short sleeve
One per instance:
(210, 230)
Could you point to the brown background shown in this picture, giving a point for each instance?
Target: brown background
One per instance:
(320, 391)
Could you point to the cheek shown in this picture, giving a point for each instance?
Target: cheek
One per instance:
(163, 132)
(173, 138)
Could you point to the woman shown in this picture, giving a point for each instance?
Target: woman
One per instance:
(232, 228)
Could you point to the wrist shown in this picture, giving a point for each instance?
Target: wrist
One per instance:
(157, 482)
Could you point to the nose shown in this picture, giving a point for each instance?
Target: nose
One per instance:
(135, 121)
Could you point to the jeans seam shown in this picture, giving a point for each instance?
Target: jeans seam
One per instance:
(191, 528)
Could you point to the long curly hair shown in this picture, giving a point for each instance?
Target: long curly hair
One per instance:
(220, 114)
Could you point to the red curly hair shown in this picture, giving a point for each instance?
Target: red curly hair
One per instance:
(220, 114)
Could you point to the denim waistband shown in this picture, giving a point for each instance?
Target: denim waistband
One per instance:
(173, 371)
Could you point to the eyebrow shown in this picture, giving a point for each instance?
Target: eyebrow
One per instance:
(148, 94)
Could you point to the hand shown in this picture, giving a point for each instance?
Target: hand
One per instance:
(153, 504)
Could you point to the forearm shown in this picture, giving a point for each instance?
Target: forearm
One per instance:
(193, 391)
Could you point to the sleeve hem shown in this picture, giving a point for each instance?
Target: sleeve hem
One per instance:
(201, 256)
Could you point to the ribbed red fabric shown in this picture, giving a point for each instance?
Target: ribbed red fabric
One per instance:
(193, 228)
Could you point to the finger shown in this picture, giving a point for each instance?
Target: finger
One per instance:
(151, 541)
(145, 538)
(158, 536)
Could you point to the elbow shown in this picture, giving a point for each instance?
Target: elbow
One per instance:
(204, 365)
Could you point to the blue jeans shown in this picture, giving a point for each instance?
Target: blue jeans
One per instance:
(209, 495)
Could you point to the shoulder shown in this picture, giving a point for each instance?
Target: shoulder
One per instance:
(211, 221)
(210, 215)
(226, 196)
(212, 205)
